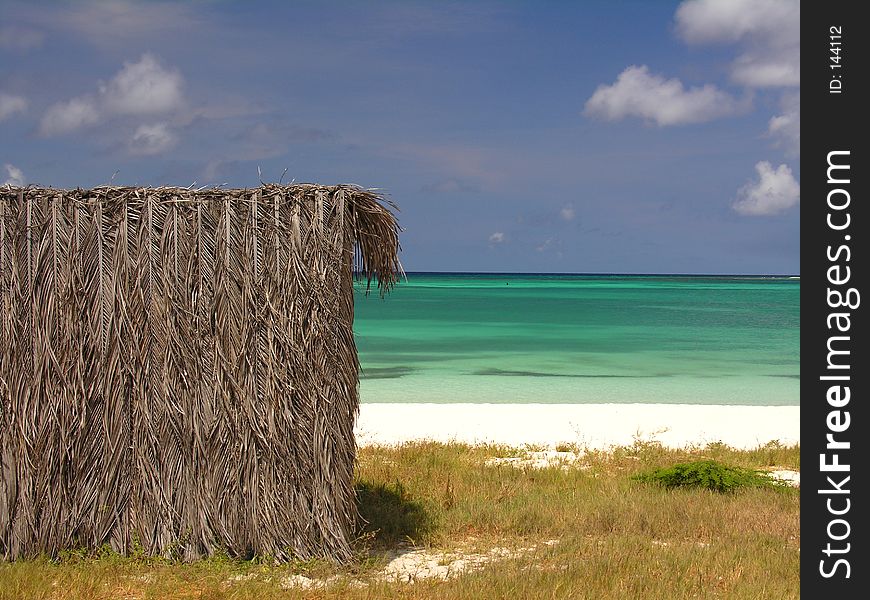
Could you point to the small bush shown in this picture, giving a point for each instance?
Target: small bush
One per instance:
(707, 474)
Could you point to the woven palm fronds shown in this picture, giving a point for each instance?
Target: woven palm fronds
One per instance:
(178, 370)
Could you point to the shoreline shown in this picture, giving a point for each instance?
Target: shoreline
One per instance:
(592, 426)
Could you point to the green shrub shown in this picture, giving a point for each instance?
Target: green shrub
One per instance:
(707, 474)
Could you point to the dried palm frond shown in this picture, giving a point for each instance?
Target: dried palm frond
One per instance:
(178, 369)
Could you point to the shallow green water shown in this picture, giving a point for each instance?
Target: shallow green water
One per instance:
(581, 339)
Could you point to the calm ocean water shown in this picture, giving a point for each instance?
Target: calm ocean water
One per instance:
(581, 339)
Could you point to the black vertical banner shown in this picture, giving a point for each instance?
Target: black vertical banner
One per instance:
(834, 264)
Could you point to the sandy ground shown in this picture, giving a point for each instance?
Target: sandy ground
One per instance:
(410, 564)
(594, 426)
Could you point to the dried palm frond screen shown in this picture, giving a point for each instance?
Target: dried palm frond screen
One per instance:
(178, 373)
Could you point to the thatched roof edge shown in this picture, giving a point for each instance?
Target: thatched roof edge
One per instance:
(372, 216)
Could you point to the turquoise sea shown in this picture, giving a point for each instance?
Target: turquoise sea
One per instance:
(581, 339)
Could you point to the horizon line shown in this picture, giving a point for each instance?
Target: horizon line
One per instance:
(603, 273)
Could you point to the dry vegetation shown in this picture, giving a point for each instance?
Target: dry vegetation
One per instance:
(178, 370)
(617, 538)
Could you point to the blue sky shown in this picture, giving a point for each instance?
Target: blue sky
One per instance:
(635, 137)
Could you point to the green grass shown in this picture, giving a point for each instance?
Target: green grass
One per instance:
(618, 537)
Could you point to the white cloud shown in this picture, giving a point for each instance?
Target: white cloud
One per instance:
(65, 117)
(20, 38)
(707, 21)
(774, 192)
(9, 105)
(637, 93)
(16, 175)
(759, 69)
(143, 87)
(152, 139)
(767, 30)
(786, 127)
(567, 213)
(767, 33)
(139, 88)
(496, 238)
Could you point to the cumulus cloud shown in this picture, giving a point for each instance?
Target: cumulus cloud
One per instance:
(764, 70)
(142, 88)
(638, 93)
(65, 117)
(497, 238)
(152, 139)
(706, 21)
(767, 33)
(785, 128)
(767, 30)
(775, 191)
(567, 213)
(15, 175)
(139, 89)
(9, 105)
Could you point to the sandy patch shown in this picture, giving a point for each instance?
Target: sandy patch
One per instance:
(309, 583)
(418, 564)
(787, 476)
(411, 564)
(539, 460)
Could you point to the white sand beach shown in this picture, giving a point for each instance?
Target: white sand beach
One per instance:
(594, 426)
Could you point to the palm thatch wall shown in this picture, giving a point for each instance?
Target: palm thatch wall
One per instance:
(178, 370)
